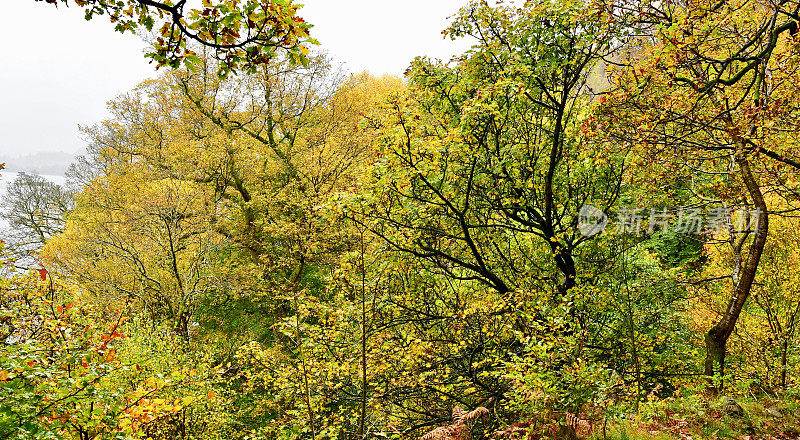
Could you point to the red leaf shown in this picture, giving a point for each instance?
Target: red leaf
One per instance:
(43, 274)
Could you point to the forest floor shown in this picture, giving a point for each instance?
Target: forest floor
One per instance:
(707, 419)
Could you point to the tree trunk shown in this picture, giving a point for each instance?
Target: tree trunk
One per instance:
(566, 265)
(182, 326)
(714, 365)
(717, 337)
(784, 360)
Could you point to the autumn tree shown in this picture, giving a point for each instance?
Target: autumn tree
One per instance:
(145, 250)
(491, 148)
(35, 210)
(762, 348)
(484, 171)
(240, 35)
(235, 182)
(706, 93)
(290, 138)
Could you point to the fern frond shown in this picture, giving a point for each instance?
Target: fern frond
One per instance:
(458, 413)
(452, 432)
(473, 415)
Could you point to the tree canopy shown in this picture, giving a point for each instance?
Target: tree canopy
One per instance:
(240, 35)
(585, 226)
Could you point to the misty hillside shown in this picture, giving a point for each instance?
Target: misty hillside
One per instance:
(50, 163)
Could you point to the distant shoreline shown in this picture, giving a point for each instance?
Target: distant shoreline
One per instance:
(7, 176)
(46, 163)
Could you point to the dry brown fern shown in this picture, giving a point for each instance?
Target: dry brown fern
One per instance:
(510, 432)
(578, 425)
(474, 415)
(451, 432)
(460, 429)
(458, 412)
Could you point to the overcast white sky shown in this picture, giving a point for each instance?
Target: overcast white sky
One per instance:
(58, 71)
